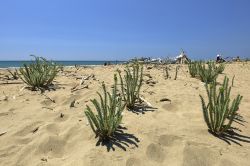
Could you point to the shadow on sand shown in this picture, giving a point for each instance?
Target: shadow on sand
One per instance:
(120, 139)
(239, 119)
(142, 109)
(232, 135)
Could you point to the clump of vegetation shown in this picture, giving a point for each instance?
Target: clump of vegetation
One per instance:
(208, 74)
(219, 113)
(220, 68)
(39, 74)
(205, 73)
(131, 84)
(109, 113)
(193, 69)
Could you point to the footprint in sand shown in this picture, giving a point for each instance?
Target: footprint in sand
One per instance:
(196, 154)
(61, 117)
(133, 162)
(227, 163)
(155, 152)
(47, 102)
(168, 140)
(53, 146)
(24, 141)
(170, 106)
(9, 150)
(68, 100)
(53, 128)
(29, 129)
(4, 114)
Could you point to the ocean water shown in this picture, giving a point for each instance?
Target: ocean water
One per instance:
(6, 64)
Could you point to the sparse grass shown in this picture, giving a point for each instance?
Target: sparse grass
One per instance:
(109, 113)
(131, 84)
(218, 113)
(39, 74)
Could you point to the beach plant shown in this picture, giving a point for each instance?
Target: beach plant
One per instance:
(193, 69)
(233, 81)
(39, 74)
(176, 72)
(166, 72)
(219, 113)
(14, 74)
(207, 75)
(131, 84)
(220, 68)
(109, 113)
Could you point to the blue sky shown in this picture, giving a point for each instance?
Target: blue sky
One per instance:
(123, 29)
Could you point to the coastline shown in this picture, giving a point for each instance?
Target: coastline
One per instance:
(17, 64)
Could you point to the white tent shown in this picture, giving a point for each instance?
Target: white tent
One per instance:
(182, 58)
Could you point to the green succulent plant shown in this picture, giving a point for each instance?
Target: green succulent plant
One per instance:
(131, 84)
(39, 74)
(13, 74)
(193, 69)
(207, 74)
(109, 113)
(219, 113)
(220, 68)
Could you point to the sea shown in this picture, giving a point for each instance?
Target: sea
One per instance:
(13, 64)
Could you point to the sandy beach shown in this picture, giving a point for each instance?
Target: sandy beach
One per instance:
(51, 128)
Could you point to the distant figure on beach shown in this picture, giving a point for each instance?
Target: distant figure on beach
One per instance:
(219, 59)
(107, 63)
(237, 59)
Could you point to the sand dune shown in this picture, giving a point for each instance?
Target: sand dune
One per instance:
(40, 129)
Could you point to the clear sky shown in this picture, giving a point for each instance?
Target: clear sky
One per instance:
(123, 29)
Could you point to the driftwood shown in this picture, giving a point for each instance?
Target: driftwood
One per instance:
(146, 102)
(7, 82)
(2, 133)
(76, 89)
(22, 88)
(83, 77)
(82, 81)
(61, 115)
(72, 104)
(48, 108)
(47, 97)
(165, 99)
